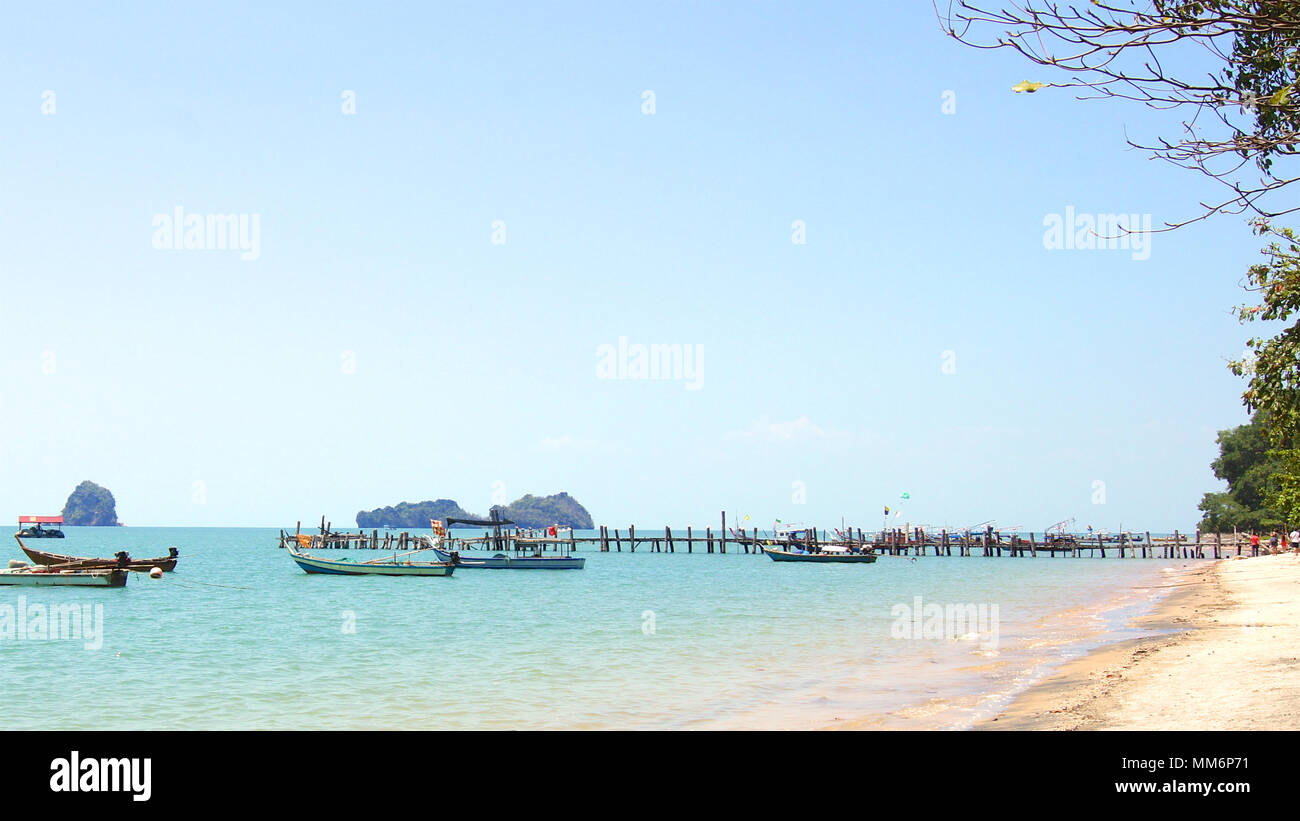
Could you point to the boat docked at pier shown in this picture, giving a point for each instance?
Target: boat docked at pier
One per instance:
(823, 554)
(522, 553)
(399, 564)
(799, 544)
(519, 561)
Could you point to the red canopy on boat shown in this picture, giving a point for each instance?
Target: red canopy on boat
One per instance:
(41, 520)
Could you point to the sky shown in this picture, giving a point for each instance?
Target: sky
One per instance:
(461, 209)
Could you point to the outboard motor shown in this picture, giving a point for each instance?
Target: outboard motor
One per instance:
(173, 552)
(122, 558)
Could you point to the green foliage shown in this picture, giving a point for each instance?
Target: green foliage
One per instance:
(1252, 470)
(90, 505)
(1272, 366)
(1285, 497)
(1220, 513)
(1263, 69)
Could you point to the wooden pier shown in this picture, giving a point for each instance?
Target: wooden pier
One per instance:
(910, 542)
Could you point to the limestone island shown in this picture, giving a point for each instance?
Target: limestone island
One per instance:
(91, 505)
(527, 511)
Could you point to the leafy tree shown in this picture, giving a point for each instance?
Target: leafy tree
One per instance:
(1272, 366)
(1285, 494)
(1251, 468)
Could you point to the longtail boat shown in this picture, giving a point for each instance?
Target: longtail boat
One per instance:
(164, 563)
(396, 565)
(38, 532)
(825, 555)
(522, 560)
(796, 543)
(58, 577)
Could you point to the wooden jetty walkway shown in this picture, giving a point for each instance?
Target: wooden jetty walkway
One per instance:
(890, 542)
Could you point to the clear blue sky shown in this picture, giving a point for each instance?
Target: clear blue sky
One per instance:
(475, 362)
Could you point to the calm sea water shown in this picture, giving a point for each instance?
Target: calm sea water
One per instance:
(240, 637)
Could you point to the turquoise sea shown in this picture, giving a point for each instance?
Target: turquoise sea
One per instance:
(240, 637)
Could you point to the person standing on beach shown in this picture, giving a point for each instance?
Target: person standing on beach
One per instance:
(1295, 541)
(1272, 542)
(1254, 543)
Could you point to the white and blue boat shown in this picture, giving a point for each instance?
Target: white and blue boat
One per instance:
(522, 559)
(396, 565)
(799, 544)
(504, 561)
(825, 555)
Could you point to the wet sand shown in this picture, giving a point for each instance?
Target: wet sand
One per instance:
(1224, 655)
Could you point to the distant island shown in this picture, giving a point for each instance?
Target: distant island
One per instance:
(527, 511)
(407, 514)
(90, 505)
(544, 511)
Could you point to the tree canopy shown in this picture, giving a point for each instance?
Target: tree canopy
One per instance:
(1272, 364)
(1251, 467)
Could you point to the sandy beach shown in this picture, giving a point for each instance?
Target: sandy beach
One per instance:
(1224, 655)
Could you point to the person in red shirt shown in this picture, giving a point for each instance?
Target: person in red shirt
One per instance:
(1254, 543)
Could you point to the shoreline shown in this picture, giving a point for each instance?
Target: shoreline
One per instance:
(1228, 632)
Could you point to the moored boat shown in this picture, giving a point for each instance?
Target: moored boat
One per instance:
(797, 554)
(35, 529)
(397, 565)
(57, 577)
(523, 559)
(121, 559)
(504, 561)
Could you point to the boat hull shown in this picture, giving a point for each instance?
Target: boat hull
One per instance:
(820, 558)
(167, 564)
(335, 567)
(502, 561)
(28, 577)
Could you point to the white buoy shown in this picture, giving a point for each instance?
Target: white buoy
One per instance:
(155, 573)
